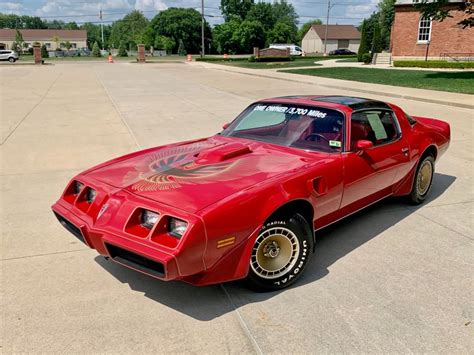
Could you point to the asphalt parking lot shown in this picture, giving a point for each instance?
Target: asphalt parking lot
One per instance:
(393, 278)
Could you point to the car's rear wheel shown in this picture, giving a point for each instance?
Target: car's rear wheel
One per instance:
(11, 60)
(280, 254)
(423, 180)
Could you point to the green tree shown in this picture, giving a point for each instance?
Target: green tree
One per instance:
(163, 42)
(364, 45)
(286, 13)
(57, 40)
(20, 42)
(224, 39)
(235, 8)
(16, 21)
(71, 26)
(44, 51)
(181, 48)
(281, 33)
(182, 24)
(305, 28)
(94, 35)
(250, 34)
(386, 9)
(376, 39)
(66, 45)
(122, 50)
(130, 29)
(263, 13)
(96, 50)
(438, 10)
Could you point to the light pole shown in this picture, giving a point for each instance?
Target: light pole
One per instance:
(202, 29)
(327, 23)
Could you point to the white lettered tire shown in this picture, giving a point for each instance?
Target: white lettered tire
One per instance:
(280, 254)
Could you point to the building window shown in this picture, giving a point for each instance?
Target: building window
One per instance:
(48, 45)
(424, 30)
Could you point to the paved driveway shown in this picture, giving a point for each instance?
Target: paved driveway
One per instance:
(392, 278)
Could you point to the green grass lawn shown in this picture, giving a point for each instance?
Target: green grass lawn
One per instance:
(347, 60)
(459, 81)
(306, 62)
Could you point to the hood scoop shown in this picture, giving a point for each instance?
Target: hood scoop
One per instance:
(222, 153)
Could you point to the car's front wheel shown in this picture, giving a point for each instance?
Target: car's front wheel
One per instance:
(423, 180)
(281, 252)
(11, 60)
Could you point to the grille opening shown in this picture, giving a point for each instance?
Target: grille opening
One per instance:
(70, 227)
(136, 261)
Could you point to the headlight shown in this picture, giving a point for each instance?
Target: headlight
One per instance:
(90, 195)
(77, 187)
(177, 227)
(148, 219)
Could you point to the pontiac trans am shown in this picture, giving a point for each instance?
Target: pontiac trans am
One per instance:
(248, 201)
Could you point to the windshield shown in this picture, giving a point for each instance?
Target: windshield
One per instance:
(304, 127)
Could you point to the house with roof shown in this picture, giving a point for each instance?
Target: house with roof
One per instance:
(51, 38)
(415, 37)
(338, 37)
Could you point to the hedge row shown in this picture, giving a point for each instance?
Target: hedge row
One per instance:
(432, 64)
(220, 59)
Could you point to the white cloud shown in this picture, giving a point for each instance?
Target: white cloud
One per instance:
(10, 7)
(149, 5)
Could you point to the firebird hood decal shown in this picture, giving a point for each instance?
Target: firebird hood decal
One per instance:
(195, 175)
(171, 168)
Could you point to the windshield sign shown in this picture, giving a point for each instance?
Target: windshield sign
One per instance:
(309, 128)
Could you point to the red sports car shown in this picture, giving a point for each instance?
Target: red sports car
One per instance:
(248, 202)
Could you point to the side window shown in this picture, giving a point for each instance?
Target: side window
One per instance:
(377, 126)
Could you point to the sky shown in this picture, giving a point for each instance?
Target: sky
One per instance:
(342, 11)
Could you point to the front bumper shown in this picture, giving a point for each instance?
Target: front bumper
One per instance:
(107, 233)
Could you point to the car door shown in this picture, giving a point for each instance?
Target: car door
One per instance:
(369, 174)
(3, 56)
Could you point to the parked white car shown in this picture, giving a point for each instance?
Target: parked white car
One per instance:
(9, 55)
(294, 49)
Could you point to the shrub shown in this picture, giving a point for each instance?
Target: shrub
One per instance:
(252, 59)
(96, 50)
(122, 51)
(274, 59)
(219, 59)
(44, 51)
(366, 58)
(432, 64)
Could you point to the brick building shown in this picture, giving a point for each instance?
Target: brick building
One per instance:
(414, 36)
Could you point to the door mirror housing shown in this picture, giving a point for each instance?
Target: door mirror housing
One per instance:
(363, 144)
(226, 125)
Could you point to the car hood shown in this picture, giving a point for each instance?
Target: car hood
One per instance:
(192, 176)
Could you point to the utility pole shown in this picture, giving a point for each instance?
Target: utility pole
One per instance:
(101, 26)
(202, 29)
(326, 30)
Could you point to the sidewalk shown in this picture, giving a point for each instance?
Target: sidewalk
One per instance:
(430, 96)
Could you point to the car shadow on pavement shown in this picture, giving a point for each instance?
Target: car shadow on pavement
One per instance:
(333, 243)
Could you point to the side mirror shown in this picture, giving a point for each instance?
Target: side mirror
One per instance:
(226, 125)
(362, 145)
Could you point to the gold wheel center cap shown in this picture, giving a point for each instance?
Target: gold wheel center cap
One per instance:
(271, 249)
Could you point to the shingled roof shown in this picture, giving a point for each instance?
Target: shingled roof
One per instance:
(337, 31)
(7, 34)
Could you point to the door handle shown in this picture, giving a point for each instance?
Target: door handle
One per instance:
(405, 151)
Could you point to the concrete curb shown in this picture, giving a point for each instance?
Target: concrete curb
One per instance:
(258, 73)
